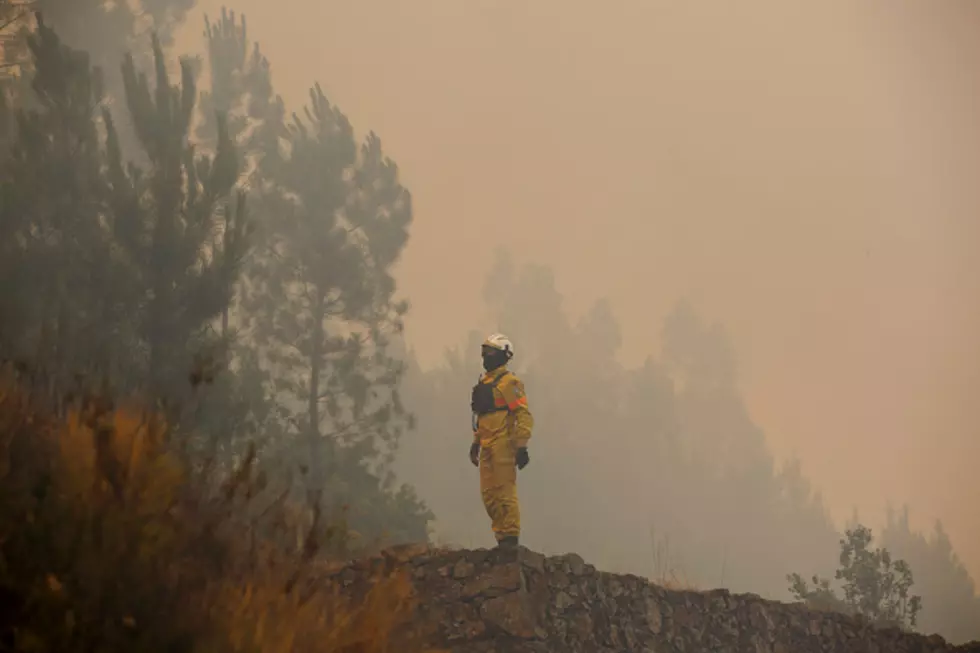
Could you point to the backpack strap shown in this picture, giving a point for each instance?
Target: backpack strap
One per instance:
(497, 378)
(492, 384)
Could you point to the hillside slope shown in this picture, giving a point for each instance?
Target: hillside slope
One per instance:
(471, 601)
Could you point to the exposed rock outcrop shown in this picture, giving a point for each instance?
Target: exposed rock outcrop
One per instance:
(474, 601)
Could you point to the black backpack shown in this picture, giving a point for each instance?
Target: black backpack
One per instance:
(482, 401)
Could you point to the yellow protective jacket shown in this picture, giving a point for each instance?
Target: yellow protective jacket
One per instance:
(515, 423)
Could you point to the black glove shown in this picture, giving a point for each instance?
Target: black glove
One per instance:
(475, 454)
(523, 458)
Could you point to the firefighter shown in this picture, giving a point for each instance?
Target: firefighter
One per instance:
(502, 427)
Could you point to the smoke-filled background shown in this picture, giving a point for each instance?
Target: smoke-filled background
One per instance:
(737, 246)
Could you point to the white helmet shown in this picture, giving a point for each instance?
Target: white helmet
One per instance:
(500, 342)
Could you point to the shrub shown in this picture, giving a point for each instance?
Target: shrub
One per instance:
(111, 541)
(875, 585)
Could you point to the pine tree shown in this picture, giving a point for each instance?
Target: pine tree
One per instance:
(358, 414)
(344, 221)
(240, 408)
(323, 304)
(107, 30)
(241, 88)
(57, 295)
(169, 223)
(112, 271)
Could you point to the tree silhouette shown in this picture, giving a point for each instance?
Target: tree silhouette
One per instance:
(874, 584)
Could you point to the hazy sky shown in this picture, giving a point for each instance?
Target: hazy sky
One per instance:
(804, 171)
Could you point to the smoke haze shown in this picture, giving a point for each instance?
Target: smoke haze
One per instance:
(736, 245)
(802, 172)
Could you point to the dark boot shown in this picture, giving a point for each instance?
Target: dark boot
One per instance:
(508, 543)
(506, 551)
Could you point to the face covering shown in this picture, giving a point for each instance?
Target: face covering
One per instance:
(493, 359)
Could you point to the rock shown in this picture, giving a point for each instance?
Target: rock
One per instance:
(511, 614)
(463, 623)
(562, 601)
(560, 580)
(532, 560)
(759, 618)
(655, 619)
(582, 627)
(463, 569)
(475, 603)
(616, 588)
(403, 553)
(683, 617)
(575, 564)
(494, 582)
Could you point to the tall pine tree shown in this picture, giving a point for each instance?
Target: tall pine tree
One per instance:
(170, 223)
(324, 309)
(57, 262)
(330, 219)
(241, 88)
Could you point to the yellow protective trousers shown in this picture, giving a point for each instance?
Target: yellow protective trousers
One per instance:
(498, 487)
(500, 434)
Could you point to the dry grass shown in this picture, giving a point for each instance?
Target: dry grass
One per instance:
(677, 584)
(110, 542)
(667, 573)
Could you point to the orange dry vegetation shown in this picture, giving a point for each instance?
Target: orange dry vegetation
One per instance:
(676, 583)
(109, 541)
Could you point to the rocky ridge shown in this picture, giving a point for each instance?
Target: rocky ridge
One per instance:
(479, 602)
